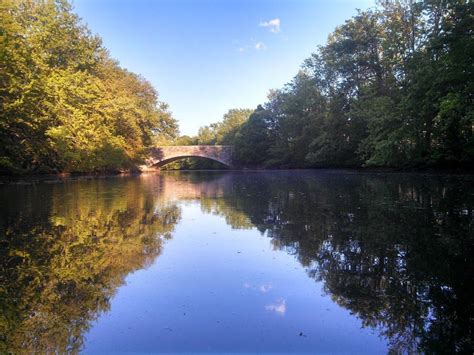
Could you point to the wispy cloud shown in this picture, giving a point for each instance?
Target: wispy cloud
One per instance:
(260, 46)
(273, 25)
(252, 44)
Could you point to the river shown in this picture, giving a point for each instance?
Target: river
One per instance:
(287, 261)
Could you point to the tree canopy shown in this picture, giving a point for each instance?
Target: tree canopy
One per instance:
(392, 87)
(224, 132)
(65, 104)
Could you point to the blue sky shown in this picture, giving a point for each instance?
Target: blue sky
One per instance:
(207, 56)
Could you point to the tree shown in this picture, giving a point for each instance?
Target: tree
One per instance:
(65, 105)
(391, 87)
(252, 141)
(223, 132)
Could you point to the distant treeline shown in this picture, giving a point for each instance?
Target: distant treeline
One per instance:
(392, 87)
(65, 105)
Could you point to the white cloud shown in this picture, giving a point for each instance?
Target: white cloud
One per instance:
(273, 25)
(260, 46)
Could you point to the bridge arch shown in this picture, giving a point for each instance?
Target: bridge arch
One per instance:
(161, 156)
(170, 160)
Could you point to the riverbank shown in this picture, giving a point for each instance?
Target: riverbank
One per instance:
(33, 178)
(54, 178)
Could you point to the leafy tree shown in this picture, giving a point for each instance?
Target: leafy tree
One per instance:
(392, 87)
(223, 132)
(186, 140)
(65, 105)
(252, 141)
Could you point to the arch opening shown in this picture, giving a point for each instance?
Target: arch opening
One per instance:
(191, 162)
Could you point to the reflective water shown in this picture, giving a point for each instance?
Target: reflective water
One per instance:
(298, 261)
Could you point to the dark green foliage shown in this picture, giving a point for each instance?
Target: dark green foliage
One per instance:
(392, 87)
(252, 142)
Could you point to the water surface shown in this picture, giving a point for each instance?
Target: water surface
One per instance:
(290, 261)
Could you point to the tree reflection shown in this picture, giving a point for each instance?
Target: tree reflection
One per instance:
(65, 249)
(394, 250)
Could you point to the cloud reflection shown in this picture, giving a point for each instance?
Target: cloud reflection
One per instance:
(263, 288)
(278, 307)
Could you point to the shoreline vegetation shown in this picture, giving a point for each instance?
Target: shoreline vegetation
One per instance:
(391, 90)
(67, 106)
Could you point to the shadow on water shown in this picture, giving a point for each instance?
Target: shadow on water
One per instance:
(394, 249)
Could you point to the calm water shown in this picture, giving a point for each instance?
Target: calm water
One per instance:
(315, 262)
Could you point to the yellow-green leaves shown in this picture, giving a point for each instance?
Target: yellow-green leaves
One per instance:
(65, 105)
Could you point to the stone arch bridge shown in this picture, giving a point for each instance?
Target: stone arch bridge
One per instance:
(160, 156)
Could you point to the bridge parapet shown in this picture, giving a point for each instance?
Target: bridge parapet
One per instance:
(160, 156)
